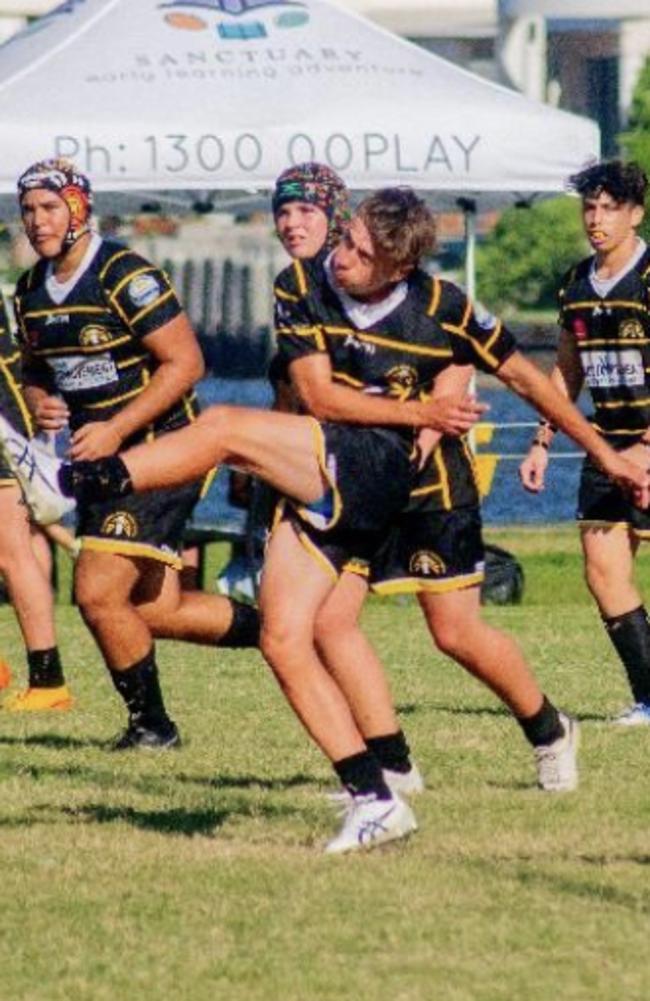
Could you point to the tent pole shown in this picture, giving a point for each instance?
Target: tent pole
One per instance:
(468, 208)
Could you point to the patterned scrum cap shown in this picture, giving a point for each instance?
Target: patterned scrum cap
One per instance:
(319, 185)
(62, 177)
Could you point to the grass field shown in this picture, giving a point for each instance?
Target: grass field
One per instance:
(198, 875)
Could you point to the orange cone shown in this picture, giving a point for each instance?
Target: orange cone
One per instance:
(5, 674)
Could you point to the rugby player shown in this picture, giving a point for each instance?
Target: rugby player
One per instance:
(343, 483)
(311, 212)
(605, 343)
(25, 559)
(108, 351)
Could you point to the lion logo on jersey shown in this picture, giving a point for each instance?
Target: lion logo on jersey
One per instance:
(401, 380)
(120, 525)
(426, 563)
(630, 330)
(93, 335)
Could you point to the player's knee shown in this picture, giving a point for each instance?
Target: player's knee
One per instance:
(97, 599)
(217, 418)
(279, 640)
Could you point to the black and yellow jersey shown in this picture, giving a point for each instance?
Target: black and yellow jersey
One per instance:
(12, 403)
(89, 346)
(433, 327)
(612, 335)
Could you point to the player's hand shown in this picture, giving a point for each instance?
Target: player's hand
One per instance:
(630, 476)
(94, 441)
(452, 416)
(532, 471)
(51, 413)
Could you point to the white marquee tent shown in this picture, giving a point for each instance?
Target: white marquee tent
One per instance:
(207, 96)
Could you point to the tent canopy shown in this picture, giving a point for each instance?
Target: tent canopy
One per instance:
(199, 96)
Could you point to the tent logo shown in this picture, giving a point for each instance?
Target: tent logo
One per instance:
(193, 15)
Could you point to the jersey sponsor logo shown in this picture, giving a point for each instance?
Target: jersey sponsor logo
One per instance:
(56, 318)
(77, 372)
(426, 563)
(580, 328)
(401, 377)
(608, 369)
(485, 319)
(143, 290)
(630, 329)
(120, 525)
(93, 334)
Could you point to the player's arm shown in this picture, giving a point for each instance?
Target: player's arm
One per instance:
(48, 409)
(532, 385)
(448, 410)
(567, 377)
(178, 365)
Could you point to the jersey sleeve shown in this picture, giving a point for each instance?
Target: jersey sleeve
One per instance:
(297, 329)
(139, 292)
(476, 337)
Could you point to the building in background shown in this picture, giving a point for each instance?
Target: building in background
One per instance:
(582, 55)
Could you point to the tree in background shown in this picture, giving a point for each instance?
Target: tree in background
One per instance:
(521, 263)
(636, 141)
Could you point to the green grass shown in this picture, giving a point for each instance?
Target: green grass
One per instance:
(198, 875)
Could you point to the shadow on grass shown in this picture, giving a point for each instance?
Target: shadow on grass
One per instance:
(52, 741)
(177, 821)
(587, 889)
(251, 781)
(412, 708)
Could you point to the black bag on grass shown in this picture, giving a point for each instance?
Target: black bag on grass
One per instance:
(504, 578)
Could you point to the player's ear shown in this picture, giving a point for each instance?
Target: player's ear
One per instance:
(638, 213)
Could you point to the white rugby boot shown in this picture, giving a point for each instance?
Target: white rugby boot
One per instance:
(369, 822)
(36, 469)
(556, 763)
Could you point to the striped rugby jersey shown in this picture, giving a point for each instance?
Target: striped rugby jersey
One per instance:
(88, 347)
(612, 335)
(400, 355)
(12, 403)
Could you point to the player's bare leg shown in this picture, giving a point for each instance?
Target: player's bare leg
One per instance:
(609, 553)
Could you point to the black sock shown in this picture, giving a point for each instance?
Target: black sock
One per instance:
(545, 727)
(630, 635)
(140, 688)
(391, 751)
(361, 775)
(95, 481)
(244, 630)
(45, 669)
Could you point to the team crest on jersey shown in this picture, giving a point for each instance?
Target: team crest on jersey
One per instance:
(120, 525)
(93, 335)
(400, 378)
(427, 564)
(630, 330)
(143, 290)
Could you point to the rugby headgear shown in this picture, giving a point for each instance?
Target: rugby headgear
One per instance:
(62, 177)
(318, 185)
